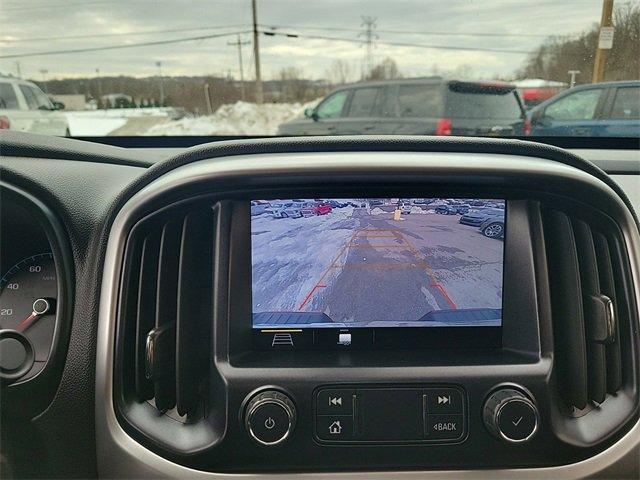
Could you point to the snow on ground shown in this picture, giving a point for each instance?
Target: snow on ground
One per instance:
(305, 248)
(377, 211)
(84, 126)
(240, 118)
(102, 122)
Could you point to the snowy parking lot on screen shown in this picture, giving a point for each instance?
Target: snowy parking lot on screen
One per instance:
(377, 262)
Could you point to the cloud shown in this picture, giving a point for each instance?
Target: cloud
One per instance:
(83, 17)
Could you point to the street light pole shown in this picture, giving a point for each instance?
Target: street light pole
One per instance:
(572, 76)
(99, 84)
(44, 72)
(159, 65)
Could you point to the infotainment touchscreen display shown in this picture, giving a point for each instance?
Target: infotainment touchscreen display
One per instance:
(377, 272)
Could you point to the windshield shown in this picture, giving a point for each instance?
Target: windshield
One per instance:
(347, 67)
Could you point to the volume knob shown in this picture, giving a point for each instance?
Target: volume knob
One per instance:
(270, 417)
(511, 416)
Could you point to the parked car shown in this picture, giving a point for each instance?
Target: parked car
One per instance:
(314, 208)
(419, 106)
(477, 218)
(258, 207)
(24, 107)
(461, 208)
(376, 203)
(405, 209)
(493, 226)
(337, 204)
(610, 109)
(286, 209)
(323, 209)
(446, 210)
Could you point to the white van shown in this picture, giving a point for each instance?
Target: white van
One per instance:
(24, 107)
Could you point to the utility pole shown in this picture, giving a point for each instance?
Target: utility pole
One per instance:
(256, 53)
(605, 41)
(369, 24)
(44, 72)
(159, 65)
(239, 43)
(572, 76)
(18, 70)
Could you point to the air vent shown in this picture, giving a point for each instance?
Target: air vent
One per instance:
(166, 312)
(589, 301)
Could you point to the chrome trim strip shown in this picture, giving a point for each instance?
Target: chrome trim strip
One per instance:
(120, 456)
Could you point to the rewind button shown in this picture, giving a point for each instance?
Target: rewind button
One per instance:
(335, 402)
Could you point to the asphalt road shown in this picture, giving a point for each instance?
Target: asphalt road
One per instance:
(385, 270)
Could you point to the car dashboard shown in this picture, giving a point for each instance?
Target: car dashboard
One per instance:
(371, 307)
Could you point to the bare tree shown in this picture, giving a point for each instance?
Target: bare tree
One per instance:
(294, 85)
(339, 72)
(387, 69)
(557, 55)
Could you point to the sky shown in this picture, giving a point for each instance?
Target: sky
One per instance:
(415, 26)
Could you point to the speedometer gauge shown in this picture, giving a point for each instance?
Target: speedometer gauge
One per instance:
(28, 294)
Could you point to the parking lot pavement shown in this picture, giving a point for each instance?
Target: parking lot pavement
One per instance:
(385, 270)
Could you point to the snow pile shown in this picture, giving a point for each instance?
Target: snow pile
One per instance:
(240, 118)
(127, 112)
(418, 210)
(377, 211)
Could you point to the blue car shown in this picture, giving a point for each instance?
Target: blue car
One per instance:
(610, 109)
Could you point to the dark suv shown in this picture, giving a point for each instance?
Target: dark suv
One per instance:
(422, 106)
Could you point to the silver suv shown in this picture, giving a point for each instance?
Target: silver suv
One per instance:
(24, 107)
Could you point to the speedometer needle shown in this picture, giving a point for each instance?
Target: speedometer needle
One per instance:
(40, 307)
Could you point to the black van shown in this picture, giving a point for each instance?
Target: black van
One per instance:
(420, 106)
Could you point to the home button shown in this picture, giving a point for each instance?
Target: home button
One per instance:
(334, 427)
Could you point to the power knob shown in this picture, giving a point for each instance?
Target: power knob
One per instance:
(270, 417)
(511, 416)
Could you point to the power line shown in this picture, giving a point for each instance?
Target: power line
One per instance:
(23, 8)
(398, 44)
(412, 32)
(118, 34)
(116, 47)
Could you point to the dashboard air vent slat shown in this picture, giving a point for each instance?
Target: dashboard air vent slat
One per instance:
(196, 268)
(568, 324)
(146, 312)
(164, 379)
(607, 287)
(591, 301)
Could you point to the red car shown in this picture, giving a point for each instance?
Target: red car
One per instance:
(322, 209)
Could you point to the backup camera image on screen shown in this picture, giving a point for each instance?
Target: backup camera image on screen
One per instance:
(373, 262)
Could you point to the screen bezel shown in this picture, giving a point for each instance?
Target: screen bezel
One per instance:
(520, 340)
(382, 337)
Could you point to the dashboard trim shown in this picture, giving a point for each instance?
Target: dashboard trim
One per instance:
(119, 455)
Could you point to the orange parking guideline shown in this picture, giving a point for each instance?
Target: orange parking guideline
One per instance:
(395, 233)
(327, 270)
